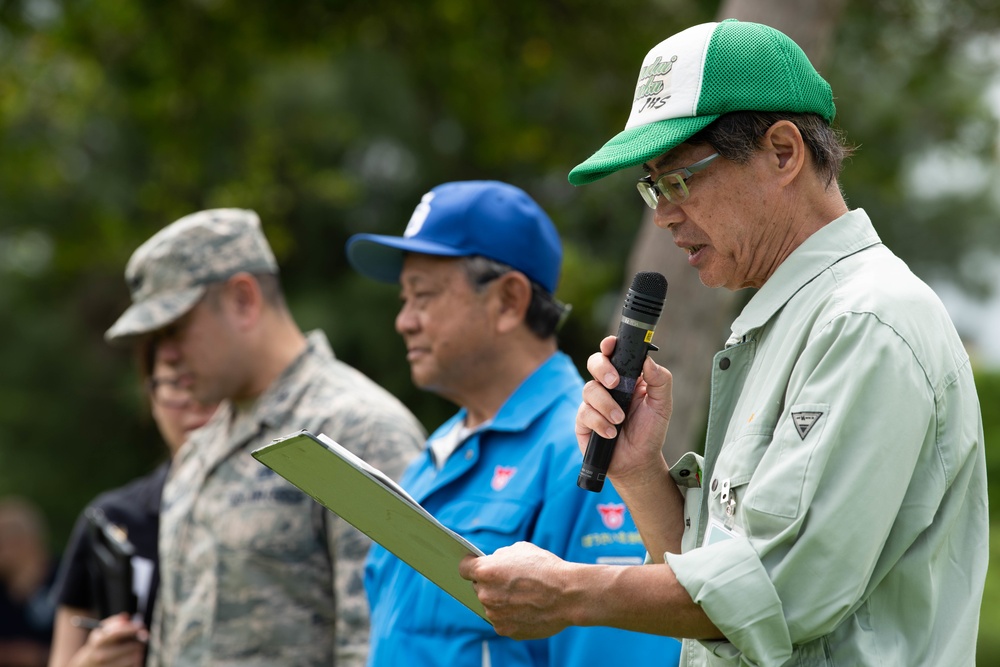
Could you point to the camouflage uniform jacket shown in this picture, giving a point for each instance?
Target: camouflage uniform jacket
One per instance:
(254, 572)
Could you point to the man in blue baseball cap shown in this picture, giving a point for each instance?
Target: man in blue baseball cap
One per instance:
(478, 266)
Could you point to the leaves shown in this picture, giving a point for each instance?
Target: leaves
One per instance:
(334, 117)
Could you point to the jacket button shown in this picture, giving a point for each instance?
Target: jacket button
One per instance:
(724, 363)
(715, 484)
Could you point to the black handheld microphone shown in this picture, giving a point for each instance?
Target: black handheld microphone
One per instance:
(642, 308)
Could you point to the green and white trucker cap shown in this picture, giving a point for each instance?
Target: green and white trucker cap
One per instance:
(695, 76)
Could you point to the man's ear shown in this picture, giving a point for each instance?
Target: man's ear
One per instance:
(786, 151)
(513, 290)
(244, 300)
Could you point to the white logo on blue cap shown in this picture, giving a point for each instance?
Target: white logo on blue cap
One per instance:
(419, 216)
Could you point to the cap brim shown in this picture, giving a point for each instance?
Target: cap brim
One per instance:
(152, 314)
(381, 257)
(636, 145)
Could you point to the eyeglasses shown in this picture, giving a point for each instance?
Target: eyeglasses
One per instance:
(168, 392)
(671, 185)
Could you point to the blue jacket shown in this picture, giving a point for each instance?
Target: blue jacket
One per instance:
(514, 480)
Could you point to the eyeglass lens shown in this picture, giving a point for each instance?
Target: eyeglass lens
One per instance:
(168, 392)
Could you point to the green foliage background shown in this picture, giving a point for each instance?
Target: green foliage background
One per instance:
(988, 385)
(334, 117)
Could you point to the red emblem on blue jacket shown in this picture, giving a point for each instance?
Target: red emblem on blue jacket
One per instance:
(612, 514)
(502, 475)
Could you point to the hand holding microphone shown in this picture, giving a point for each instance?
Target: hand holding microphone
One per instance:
(640, 312)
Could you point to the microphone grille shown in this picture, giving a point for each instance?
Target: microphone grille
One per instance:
(651, 284)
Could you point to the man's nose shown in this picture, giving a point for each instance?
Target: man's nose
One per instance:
(667, 215)
(406, 320)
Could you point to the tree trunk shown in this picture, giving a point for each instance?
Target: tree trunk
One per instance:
(695, 320)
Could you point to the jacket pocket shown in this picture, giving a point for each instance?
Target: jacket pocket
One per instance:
(730, 485)
(489, 524)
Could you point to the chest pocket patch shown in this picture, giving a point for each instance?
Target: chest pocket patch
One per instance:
(804, 422)
(781, 479)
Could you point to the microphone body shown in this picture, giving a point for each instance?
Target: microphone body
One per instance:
(642, 308)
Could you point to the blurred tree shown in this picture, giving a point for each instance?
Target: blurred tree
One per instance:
(328, 118)
(333, 117)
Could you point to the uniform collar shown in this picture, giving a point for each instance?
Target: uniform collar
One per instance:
(278, 401)
(533, 397)
(228, 431)
(848, 234)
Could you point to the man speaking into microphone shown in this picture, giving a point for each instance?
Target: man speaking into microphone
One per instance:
(477, 269)
(838, 515)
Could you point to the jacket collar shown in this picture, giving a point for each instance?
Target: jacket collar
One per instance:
(539, 390)
(848, 234)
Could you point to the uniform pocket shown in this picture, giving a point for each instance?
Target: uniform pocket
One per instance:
(489, 524)
(731, 484)
(779, 484)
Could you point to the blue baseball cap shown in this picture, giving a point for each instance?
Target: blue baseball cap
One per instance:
(465, 218)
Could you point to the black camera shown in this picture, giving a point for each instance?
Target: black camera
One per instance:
(112, 566)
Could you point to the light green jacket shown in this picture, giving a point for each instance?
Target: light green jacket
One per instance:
(839, 516)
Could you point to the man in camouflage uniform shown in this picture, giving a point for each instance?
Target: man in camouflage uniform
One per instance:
(253, 572)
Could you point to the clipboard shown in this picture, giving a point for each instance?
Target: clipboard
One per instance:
(373, 503)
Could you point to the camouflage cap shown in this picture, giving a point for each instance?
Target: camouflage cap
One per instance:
(168, 274)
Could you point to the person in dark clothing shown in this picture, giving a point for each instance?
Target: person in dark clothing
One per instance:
(135, 509)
